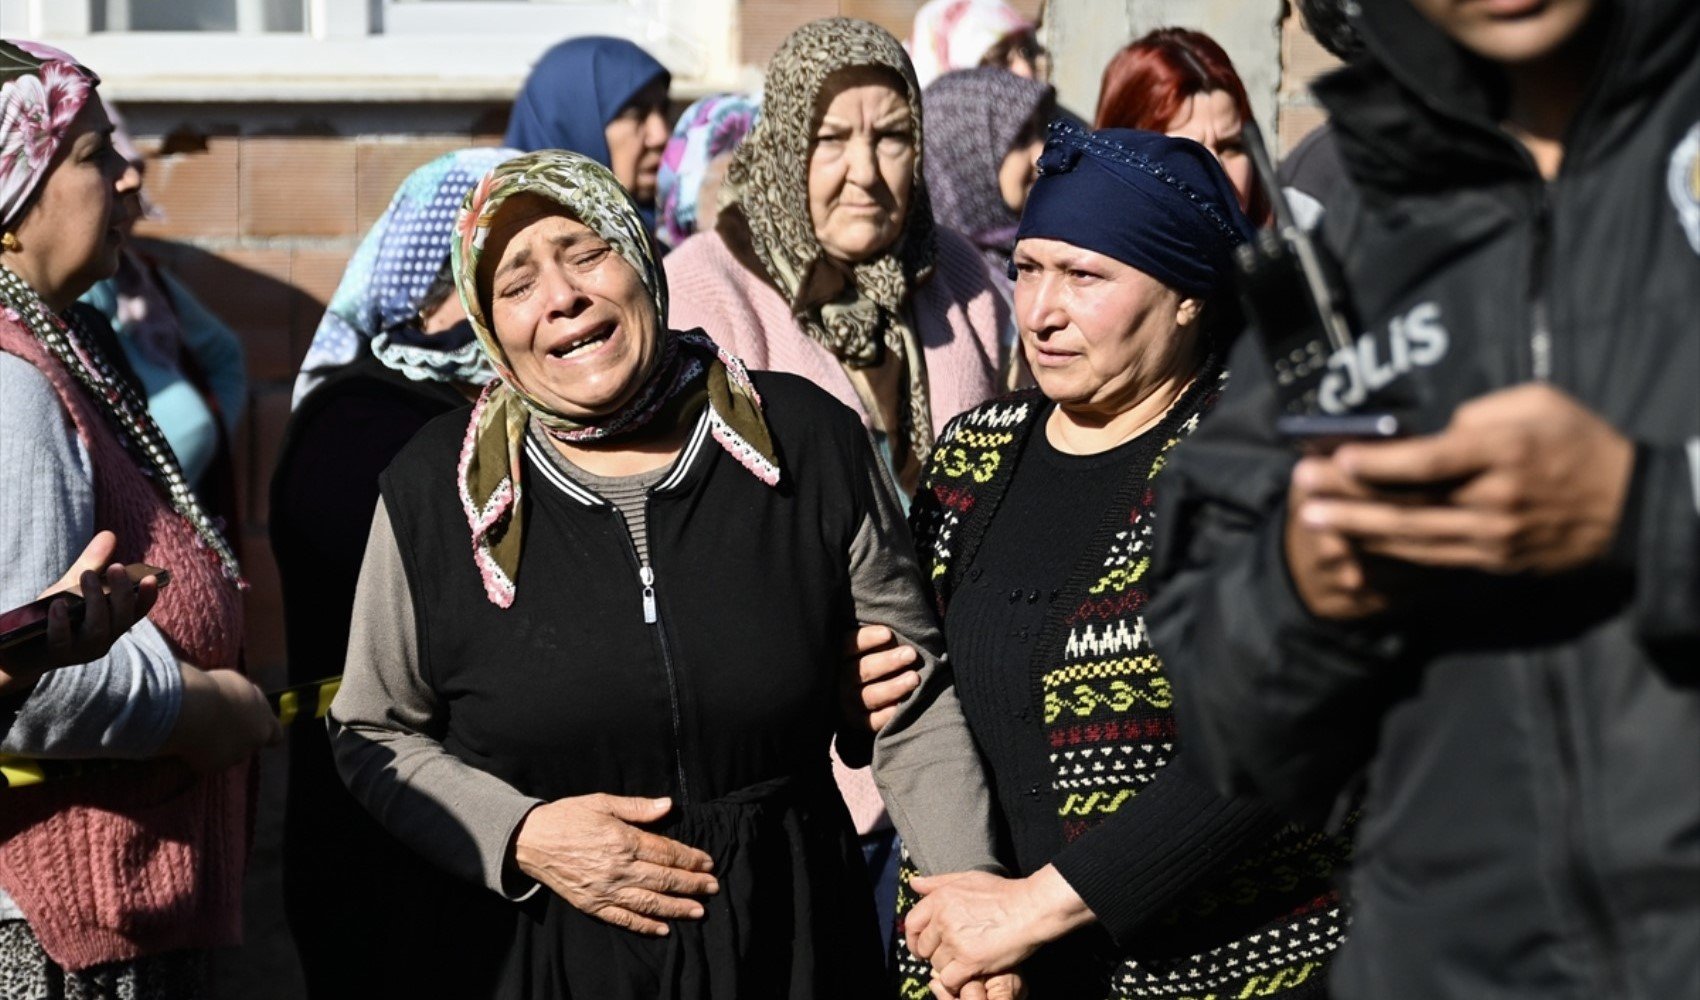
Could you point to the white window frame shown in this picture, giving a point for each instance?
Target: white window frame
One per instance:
(436, 51)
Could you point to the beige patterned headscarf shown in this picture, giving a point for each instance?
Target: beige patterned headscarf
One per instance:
(857, 312)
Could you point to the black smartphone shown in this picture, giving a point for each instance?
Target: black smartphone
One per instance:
(1339, 427)
(28, 622)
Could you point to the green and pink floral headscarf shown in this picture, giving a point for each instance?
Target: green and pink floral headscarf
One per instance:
(688, 362)
(41, 91)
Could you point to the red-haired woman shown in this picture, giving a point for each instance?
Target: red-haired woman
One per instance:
(1181, 83)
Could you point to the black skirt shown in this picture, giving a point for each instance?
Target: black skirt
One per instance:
(793, 919)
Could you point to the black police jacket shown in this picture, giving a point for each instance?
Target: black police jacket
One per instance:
(1530, 814)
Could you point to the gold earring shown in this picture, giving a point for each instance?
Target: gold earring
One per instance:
(9, 240)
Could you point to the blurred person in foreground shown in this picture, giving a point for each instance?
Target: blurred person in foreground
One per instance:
(1121, 873)
(964, 34)
(605, 98)
(1491, 626)
(597, 657)
(1312, 169)
(113, 883)
(693, 165)
(1180, 82)
(107, 615)
(393, 351)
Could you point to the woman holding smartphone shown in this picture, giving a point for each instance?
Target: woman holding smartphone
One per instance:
(110, 884)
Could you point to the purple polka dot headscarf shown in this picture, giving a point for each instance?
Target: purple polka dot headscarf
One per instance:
(708, 128)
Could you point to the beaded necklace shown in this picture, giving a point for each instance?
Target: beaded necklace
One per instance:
(141, 436)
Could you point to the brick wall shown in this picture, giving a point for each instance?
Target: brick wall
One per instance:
(1302, 60)
(259, 221)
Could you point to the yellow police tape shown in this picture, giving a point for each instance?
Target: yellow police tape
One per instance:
(294, 705)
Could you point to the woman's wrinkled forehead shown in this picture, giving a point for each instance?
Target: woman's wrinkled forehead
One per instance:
(861, 75)
(569, 183)
(512, 217)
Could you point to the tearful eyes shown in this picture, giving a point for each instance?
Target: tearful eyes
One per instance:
(584, 259)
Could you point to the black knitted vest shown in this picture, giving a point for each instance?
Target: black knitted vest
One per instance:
(1266, 925)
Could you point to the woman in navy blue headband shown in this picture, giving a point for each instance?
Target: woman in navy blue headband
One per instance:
(1119, 874)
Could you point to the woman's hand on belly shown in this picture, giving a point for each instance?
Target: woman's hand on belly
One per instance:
(588, 851)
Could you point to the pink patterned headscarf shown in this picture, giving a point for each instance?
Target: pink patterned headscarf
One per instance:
(956, 34)
(41, 91)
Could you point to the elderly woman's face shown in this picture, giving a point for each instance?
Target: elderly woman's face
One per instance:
(577, 325)
(73, 232)
(1099, 334)
(636, 138)
(861, 164)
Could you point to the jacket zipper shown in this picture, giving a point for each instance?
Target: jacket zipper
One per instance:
(1540, 321)
(652, 617)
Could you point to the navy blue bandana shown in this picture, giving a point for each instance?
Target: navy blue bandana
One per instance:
(1154, 202)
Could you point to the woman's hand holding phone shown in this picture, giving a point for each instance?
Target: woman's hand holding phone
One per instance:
(111, 604)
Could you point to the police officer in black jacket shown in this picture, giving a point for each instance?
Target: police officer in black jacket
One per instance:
(1495, 621)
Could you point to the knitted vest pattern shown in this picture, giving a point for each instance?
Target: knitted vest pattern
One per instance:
(147, 859)
(1272, 920)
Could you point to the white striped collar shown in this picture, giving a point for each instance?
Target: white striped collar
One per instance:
(547, 464)
(688, 456)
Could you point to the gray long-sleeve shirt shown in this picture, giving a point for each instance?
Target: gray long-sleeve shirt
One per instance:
(390, 715)
(123, 704)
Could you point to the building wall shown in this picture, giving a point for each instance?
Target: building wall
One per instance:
(1303, 59)
(1087, 33)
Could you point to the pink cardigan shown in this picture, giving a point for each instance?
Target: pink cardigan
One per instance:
(119, 865)
(958, 316)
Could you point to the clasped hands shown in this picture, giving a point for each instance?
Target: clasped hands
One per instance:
(1523, 480)
(976, 928)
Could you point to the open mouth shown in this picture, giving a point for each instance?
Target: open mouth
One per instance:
(582, 345)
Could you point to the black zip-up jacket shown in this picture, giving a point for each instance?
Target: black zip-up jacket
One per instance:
(1530, 747)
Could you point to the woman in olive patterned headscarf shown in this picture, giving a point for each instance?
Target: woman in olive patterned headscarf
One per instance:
(597, 654)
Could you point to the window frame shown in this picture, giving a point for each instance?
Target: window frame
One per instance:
(386, 50)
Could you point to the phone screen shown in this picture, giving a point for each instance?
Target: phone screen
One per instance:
(26, 622)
